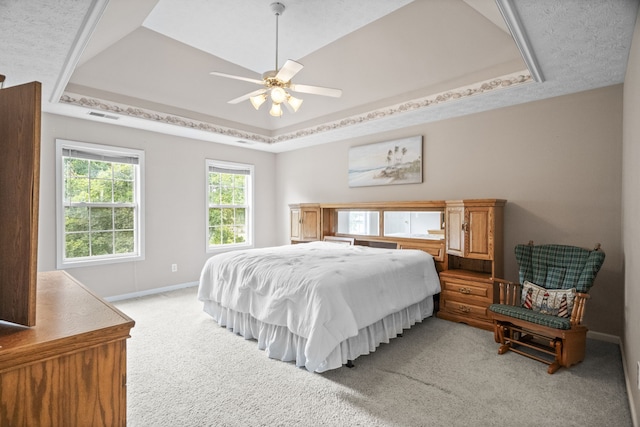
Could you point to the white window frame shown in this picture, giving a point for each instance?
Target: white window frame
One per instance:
(108, 151)
(209, 163)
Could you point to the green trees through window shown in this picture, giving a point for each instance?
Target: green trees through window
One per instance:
(228, 204)
(91, 226)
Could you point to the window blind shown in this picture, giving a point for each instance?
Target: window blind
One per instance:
(90, 155)
(239, 171)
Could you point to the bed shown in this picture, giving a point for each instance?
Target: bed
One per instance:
(319, 304)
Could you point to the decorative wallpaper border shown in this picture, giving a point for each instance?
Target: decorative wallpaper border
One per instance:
(141, 113)
(510, 80)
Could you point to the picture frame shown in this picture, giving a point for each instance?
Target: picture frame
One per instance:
(394, 162)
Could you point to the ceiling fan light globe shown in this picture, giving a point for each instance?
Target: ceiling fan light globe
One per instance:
(278, 95)
(276, 110)
(258, 100)
(294, 102)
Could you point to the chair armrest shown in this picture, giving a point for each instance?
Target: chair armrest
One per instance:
(509, 292)
(579, 305)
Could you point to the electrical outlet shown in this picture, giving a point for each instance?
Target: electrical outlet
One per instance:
(174, 268)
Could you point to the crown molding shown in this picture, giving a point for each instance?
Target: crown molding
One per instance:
(86, 29)
(512, 19)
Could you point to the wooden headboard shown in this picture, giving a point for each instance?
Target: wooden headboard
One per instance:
(433, 246)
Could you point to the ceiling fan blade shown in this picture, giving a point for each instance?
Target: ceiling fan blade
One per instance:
(316, 90)
(288, 70)
(246, 96)
(231, 76)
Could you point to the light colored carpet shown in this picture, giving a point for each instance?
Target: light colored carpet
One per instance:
(185, 370)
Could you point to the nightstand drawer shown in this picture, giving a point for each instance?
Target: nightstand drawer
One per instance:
(465, 290)
(464, 308)
(466, 297)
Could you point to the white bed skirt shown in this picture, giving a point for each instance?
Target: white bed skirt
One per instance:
(280, 343)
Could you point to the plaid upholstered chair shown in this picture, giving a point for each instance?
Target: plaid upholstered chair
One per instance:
(541, 317)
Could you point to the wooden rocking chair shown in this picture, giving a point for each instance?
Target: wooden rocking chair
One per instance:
(543, 314)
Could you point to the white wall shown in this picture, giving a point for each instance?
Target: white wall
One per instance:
(630, 215)
(557, 162)
(175, 204)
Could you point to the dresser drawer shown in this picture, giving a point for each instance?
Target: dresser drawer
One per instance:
(466, 299)
(462, 308)
(435, 248)
(464, 290)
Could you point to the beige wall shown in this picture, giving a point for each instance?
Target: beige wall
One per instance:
(557, 162)
(630, 215)
(175, 226)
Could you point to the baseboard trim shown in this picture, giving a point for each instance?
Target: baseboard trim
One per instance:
(614, 339)
(151, 291)
(628, 379)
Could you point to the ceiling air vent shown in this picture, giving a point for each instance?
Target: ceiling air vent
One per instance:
(240, 141)
(104, 116)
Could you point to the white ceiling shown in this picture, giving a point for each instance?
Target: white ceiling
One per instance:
(217, 26)
(146, 63)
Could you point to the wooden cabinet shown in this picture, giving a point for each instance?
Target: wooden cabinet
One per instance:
(306, 222)
(475, 255)
(454, 230)
(70, 369)
(471, 230)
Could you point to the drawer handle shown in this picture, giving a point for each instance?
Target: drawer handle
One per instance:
(464, 309)
(464, 290)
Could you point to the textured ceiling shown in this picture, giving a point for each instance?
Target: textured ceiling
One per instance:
(399, 63)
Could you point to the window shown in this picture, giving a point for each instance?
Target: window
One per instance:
(99, 199)
(229, 202)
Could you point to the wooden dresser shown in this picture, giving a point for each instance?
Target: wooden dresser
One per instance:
(70, 369)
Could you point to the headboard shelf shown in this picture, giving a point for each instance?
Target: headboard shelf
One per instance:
(411, 205)
(402, 225)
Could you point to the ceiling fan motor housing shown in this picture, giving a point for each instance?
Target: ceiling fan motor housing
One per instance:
(277, 8)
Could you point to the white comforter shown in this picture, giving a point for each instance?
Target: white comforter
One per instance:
(321, 291)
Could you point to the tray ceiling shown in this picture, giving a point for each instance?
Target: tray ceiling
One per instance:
(399, 63)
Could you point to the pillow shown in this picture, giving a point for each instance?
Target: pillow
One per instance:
(557, 302)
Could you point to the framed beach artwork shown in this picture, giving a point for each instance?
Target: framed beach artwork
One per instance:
(386, 163)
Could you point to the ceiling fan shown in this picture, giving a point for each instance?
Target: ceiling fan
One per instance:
(276, 82)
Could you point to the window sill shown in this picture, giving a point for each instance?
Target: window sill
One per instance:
(64, 265)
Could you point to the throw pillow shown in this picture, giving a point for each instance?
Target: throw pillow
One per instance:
(557, 302)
